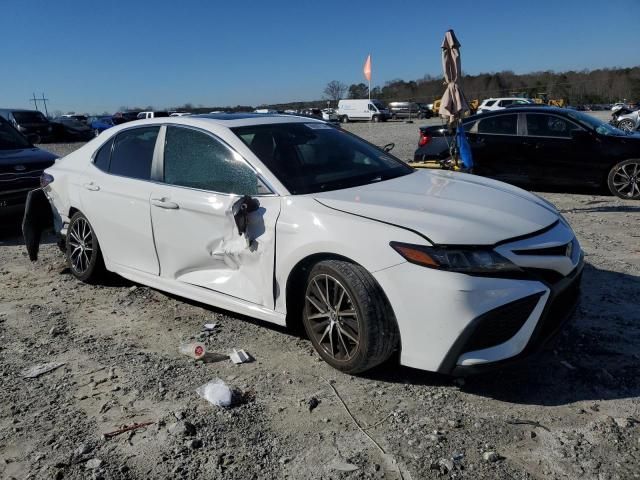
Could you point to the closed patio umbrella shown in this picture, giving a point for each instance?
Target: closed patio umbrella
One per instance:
(454, 105)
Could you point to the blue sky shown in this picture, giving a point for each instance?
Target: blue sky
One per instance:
(97, 56)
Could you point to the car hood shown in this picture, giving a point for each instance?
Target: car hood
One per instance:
(447, 207)
(25, 156)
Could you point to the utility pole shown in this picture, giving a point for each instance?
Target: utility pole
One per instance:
(44, 100)
(35, 101)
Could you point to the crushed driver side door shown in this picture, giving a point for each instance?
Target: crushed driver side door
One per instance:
(213, 218)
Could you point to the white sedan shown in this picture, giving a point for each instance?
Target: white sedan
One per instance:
(292, 221)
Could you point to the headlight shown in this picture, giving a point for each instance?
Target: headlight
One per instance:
(456, 259)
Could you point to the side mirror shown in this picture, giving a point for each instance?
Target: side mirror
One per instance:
(388, 147)
(580, 135)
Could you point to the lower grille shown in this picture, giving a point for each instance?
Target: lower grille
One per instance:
(559, 308)
(499, 325)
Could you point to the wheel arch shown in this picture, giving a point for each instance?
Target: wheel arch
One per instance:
(296, 283)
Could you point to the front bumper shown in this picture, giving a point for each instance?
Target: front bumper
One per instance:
(457, 324)
(557, 309)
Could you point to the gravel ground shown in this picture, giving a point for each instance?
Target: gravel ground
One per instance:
(571, 412)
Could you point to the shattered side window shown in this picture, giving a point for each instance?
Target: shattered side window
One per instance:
(197, 160)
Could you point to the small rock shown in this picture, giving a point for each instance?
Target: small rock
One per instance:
(93, 464)
(83, 449)
(532, 434)
(179, 414)
(195, 443)
(623, 422)
(446, 465)
(490, 457)
(312, 403)
(182, 428)
(284, 460)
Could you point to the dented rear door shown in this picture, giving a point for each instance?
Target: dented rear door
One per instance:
(197, 218)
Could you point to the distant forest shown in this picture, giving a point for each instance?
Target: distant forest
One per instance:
(605, 85)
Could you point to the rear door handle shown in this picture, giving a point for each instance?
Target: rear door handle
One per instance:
(164, 203)
(91, 186)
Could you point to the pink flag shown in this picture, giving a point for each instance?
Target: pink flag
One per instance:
(367, 68)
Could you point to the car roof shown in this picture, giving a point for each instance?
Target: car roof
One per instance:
(518, 109)
(228, 120)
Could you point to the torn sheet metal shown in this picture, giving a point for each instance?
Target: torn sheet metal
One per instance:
(38, 217)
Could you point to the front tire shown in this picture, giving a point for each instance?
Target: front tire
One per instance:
(627, 125)
(347, 317)
(83, 250)
(375, 118)
(96, 132)
(624, 179)
(344, 119)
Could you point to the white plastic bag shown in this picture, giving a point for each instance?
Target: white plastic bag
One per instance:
(216, 392)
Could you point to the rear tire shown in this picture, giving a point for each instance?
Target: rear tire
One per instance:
(347, 317)
(83, 250)
(96, 132)
(624, 179)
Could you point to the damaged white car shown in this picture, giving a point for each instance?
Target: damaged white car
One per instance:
(292, 221)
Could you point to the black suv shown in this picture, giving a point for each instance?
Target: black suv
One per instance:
(21, 165)
(31, 123)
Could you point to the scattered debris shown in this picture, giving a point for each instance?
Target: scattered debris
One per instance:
(128, 428)
(195, 350)
(239, 356)
(490, 457)
(37, 370)
(567, 364)
(216, 392)
(209, 327)
(342, 466)
(527, 422)
(312, 403)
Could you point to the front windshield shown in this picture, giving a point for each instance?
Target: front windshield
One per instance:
(10, 139)
(379, 105)
(29, 117)
(316, 157)
(601, 127)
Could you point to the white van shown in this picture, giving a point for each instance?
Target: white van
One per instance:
(145, 115)
(370, 110)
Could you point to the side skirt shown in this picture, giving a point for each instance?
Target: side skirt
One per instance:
(199, 294)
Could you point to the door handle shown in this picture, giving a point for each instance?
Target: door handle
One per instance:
(164, 203)
(91, 186)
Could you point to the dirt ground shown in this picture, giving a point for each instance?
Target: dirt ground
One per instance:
(573, 411)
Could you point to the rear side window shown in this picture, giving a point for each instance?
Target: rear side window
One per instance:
(488, 103)
(197, 160)
(499, 125)
(540, 125)
(103, 156)
(133, 153)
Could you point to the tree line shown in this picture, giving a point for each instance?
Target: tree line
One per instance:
(605, 85)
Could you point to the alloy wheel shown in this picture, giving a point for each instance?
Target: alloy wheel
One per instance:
(626, 180)
(332, 316)
(626, 125)
(81, 242)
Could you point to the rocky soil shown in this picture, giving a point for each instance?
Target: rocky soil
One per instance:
(573, 411)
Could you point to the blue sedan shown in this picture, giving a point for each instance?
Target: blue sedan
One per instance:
(100, 124)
